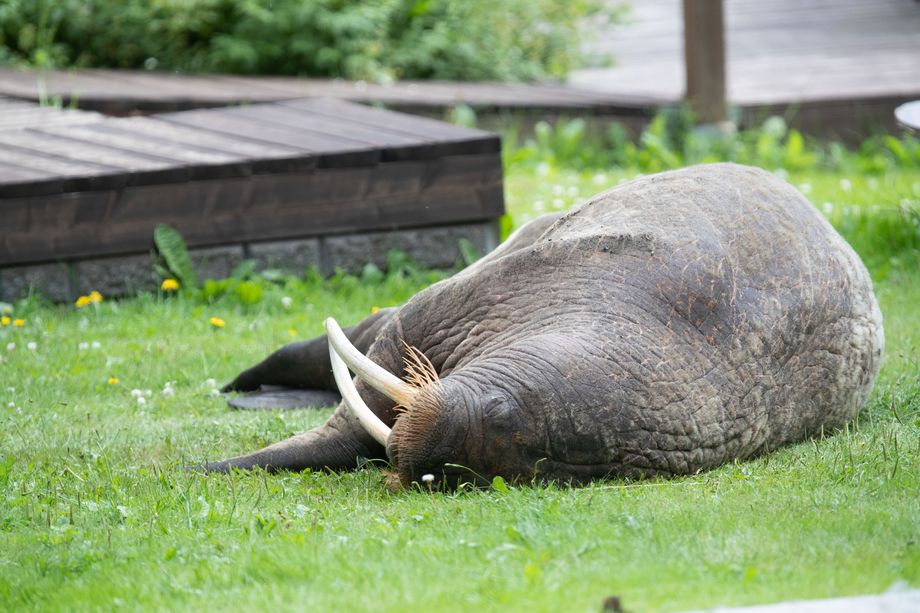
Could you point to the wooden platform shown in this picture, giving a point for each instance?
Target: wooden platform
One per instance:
(122, 92)
(831, 67)
(77, 185)
(778, 52)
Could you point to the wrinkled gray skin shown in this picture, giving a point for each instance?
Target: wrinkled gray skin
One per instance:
(666, 326)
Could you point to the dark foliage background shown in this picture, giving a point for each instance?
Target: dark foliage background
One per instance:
(355, 39)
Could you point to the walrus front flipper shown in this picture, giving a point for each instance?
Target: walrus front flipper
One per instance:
(277, 397)
(305, 365)
(336, 445)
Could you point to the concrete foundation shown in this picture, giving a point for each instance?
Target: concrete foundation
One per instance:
(433, 247)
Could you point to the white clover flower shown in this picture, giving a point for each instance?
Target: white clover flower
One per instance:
(539, 205)
(805, 188)
(543, 169)
(214, 392)
(11, 346)
(599, 179)
(168, 391)
(558, 190)
(572, 191)
(210, 382)
(427, 478)
(781, 173)
(558, 203)
(96, 345)
(846, 185)
(286, 302)
(141, 401)
(136, 393)
(32, 346)
(83, 346)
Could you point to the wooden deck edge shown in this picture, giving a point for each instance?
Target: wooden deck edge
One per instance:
(850, 119)
(279, 206)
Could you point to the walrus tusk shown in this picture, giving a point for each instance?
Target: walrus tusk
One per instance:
(371, 423)
(378, 378)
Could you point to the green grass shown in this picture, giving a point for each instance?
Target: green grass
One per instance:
(97, 513)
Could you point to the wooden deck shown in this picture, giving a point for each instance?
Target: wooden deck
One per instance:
(830, 66)
(778, 52)
(79, 185)
(120, 92)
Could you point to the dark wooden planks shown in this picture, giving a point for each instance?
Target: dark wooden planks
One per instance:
(260, 207)
(123, 165)
(327, 151)
(111, 93)
(17, 118)
(451, 139)
(228, 142)
(262, 172)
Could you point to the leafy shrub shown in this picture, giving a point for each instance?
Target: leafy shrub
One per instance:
(358, 39)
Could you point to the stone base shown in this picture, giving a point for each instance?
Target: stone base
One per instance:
(430, 247)
(216, 262)
(435, 247)
(118, 276)
(293, 257)
(54, 281)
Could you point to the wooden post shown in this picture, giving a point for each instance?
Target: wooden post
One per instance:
(704, 53)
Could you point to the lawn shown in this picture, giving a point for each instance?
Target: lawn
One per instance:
(100, 414)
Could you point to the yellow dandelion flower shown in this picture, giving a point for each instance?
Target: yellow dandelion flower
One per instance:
(292, 332)
(375, 308)
(169, 285)
(113, 381)
(95, 296)
(217, 322)
(19, 322)
(5, 320)
(83, 301)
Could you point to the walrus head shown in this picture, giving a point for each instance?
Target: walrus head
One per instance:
(427, 444)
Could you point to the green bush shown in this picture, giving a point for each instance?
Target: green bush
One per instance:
(357, 39)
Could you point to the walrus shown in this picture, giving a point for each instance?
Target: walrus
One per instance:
(666, 326)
